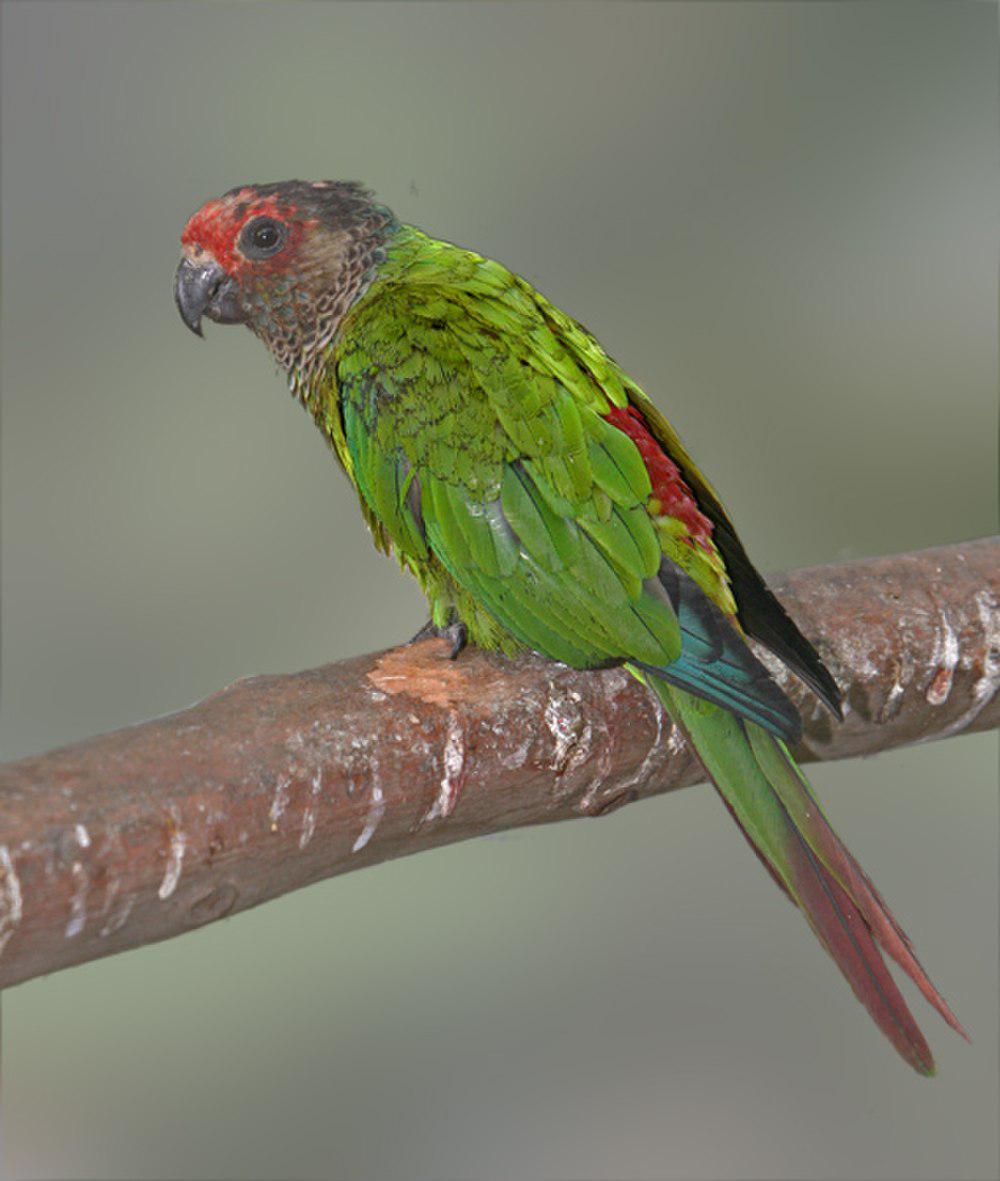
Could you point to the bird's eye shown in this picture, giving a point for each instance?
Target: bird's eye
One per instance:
(261, 237)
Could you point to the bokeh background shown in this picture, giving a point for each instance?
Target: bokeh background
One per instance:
(782, 219)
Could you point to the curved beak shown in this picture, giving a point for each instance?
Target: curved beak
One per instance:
(204, 289)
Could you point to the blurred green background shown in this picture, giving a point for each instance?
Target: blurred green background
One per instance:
(782, 219)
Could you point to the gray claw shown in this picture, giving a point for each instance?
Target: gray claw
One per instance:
(455, 632)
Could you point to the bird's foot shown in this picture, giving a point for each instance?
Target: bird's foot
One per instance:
(456, 633)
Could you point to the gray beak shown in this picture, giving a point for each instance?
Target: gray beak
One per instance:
(204, 289)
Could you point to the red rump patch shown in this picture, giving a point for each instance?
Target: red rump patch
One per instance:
(675, 497)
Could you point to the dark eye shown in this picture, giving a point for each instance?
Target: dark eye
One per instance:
(262, 237)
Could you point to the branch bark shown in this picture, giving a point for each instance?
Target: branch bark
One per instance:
(279, 781)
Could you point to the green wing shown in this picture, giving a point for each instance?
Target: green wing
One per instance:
(477, 441)
(473, 419)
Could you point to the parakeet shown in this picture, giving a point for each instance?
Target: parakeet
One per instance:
(543, 502)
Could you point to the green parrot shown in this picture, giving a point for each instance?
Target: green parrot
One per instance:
(543, 502)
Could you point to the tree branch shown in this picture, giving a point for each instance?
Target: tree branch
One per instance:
(279, 781)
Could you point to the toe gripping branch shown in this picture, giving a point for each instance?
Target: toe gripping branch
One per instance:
(456, 633)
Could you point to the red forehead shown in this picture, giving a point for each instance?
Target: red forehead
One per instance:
(217, 224)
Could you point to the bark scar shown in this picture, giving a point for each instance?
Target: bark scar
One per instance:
(424, 670)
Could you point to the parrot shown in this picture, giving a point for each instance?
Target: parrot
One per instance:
(545, 504)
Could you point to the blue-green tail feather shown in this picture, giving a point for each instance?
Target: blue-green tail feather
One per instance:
(772, 803)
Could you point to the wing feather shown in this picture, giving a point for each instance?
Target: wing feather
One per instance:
(491, 405)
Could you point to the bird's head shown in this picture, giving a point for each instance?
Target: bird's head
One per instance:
(287, 260)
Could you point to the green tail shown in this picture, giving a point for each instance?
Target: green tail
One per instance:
(771, 801)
